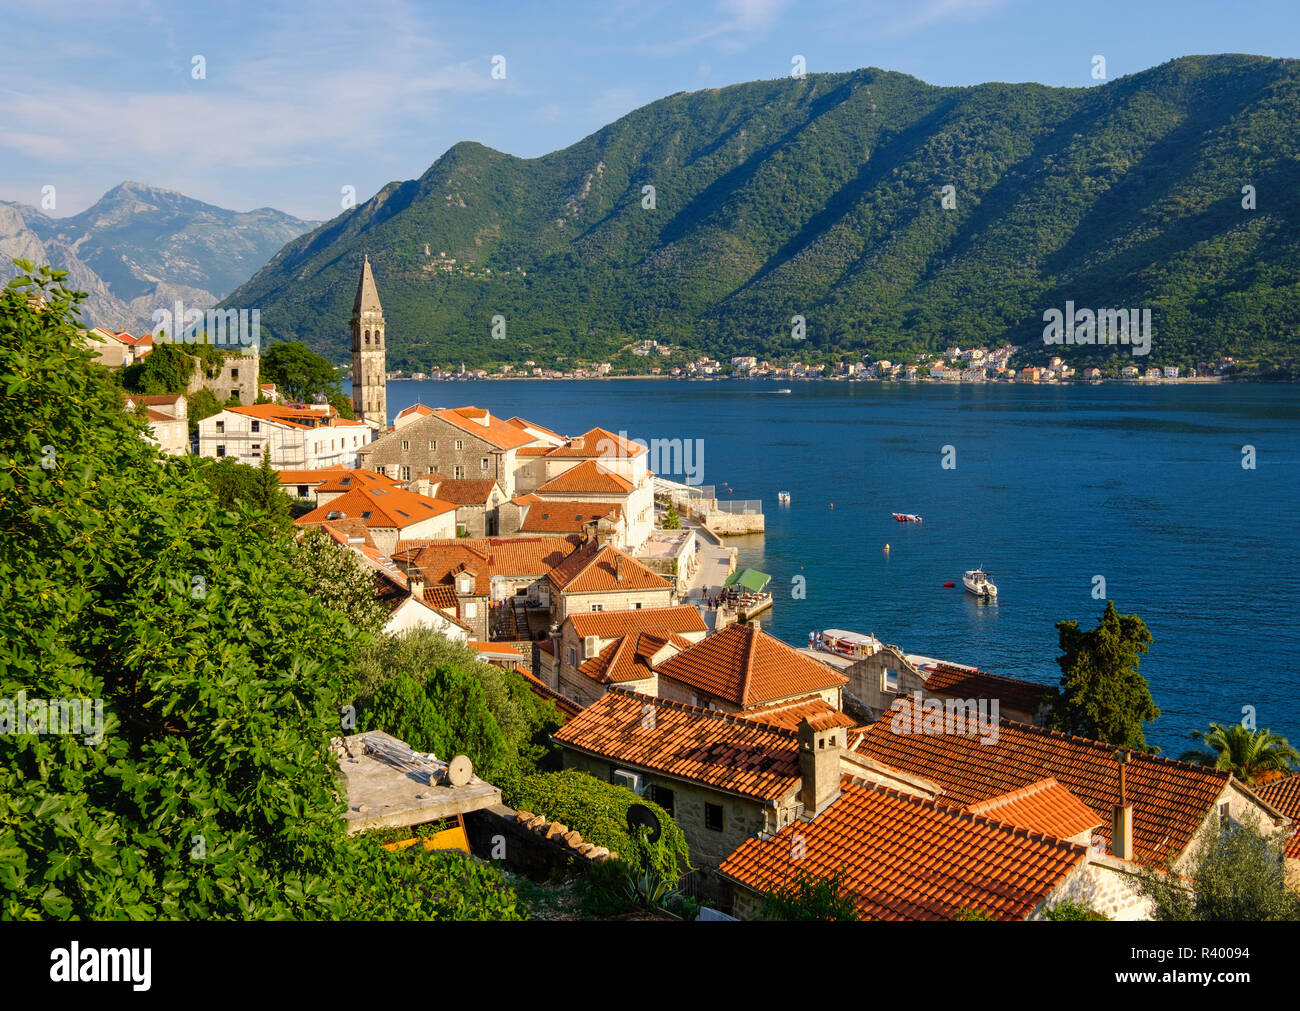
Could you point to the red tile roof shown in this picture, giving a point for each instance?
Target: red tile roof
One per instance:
(598, 443)
(970, 683)
(597, 569)
(476, 492)
(737, 756)
(1284, 795)
(339, 478)
(567, 517)
(1045, 806)
(567, 707)
(1170, 799)
(496, 432)
(681, 619)
(587, 477)
(523, 423)
(514, 557)
(630, 657)
(907, 858)
(748, 667)
(317, 476)
(380, 507)
(789, 712)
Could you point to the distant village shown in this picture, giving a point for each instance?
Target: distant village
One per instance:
(612, 592)
(955, 365)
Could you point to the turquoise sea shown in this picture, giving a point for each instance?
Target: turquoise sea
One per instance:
(1053, 486)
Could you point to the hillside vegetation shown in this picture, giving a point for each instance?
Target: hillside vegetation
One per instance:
(821, 197)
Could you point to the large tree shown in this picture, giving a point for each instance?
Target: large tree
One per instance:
(299, 372)
(1102, 695)
(208, 790)
(1253, 756)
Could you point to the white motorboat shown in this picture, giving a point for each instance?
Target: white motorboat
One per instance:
(977, 582)
(850, 644)
(783, 496)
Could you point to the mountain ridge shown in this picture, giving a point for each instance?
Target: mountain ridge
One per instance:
(141, 247)
(821, 197)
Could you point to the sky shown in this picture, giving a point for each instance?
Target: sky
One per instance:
(266, 104)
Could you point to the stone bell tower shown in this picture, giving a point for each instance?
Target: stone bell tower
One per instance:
(369, 382)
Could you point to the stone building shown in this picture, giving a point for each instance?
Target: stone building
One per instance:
(369, 378)
(583, 636)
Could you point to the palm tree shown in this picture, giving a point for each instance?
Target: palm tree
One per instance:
(1253, 756)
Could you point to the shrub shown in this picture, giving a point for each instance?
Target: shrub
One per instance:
(599, 811)
(806, 897)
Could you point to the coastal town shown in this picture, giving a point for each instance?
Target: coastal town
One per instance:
(936, 790)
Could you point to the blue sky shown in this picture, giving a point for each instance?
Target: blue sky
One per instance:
(300, 100)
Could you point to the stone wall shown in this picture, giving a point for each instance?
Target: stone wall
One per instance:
(735, 523)
(529, 844)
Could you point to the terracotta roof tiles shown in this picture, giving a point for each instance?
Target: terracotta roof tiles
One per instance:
(1170, 799)
(681, 618)
(726, 753)
(748, 667)
(907, 858)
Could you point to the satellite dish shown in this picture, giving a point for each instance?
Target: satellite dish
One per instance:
(459, 771)
(639, 816)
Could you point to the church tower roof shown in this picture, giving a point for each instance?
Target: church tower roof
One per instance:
(367, 299)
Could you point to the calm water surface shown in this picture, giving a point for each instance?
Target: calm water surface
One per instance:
(1143, 486)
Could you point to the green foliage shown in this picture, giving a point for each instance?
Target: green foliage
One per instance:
(210, 791)
(1253, 756)
(807, 897)
(257, 488)
(1102, 695)
(300, 374)
(199, 405)
(969, 914)
(1124, 194)
(1072, 910)
(602, 890)
(1239, 875)
(481, 711)
(671, 520)
(419, 884)
(599, 811)
(335, 578)
(167, 369)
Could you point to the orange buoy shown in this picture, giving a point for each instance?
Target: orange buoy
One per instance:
(886, 549)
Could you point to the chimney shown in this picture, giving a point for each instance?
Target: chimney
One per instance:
(819, 765)
(416, 583)
(1121, 824)
(618, 566)
(757, 625)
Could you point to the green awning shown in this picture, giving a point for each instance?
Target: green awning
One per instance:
(749, 579)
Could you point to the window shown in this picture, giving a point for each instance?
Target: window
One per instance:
(1224, 813)
(366, 514)
(713, 816)
(221, 451)
(471, 609)
(573, 657)
(460, 443)
(234, 374)
(598, 607)
(662, 796)
(257, 426)
(302, 491)
(256, 446)
(636, 606)
(234, 395)
(221, 427)
(482, 464)
(433, 445)
(458, 473)
(406, 473)
(891, 679)
(406, 444)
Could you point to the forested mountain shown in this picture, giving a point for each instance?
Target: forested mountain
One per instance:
(822, 197)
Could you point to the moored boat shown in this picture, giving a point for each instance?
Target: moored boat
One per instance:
(977, 582)
(850, 644)
(907, 517)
